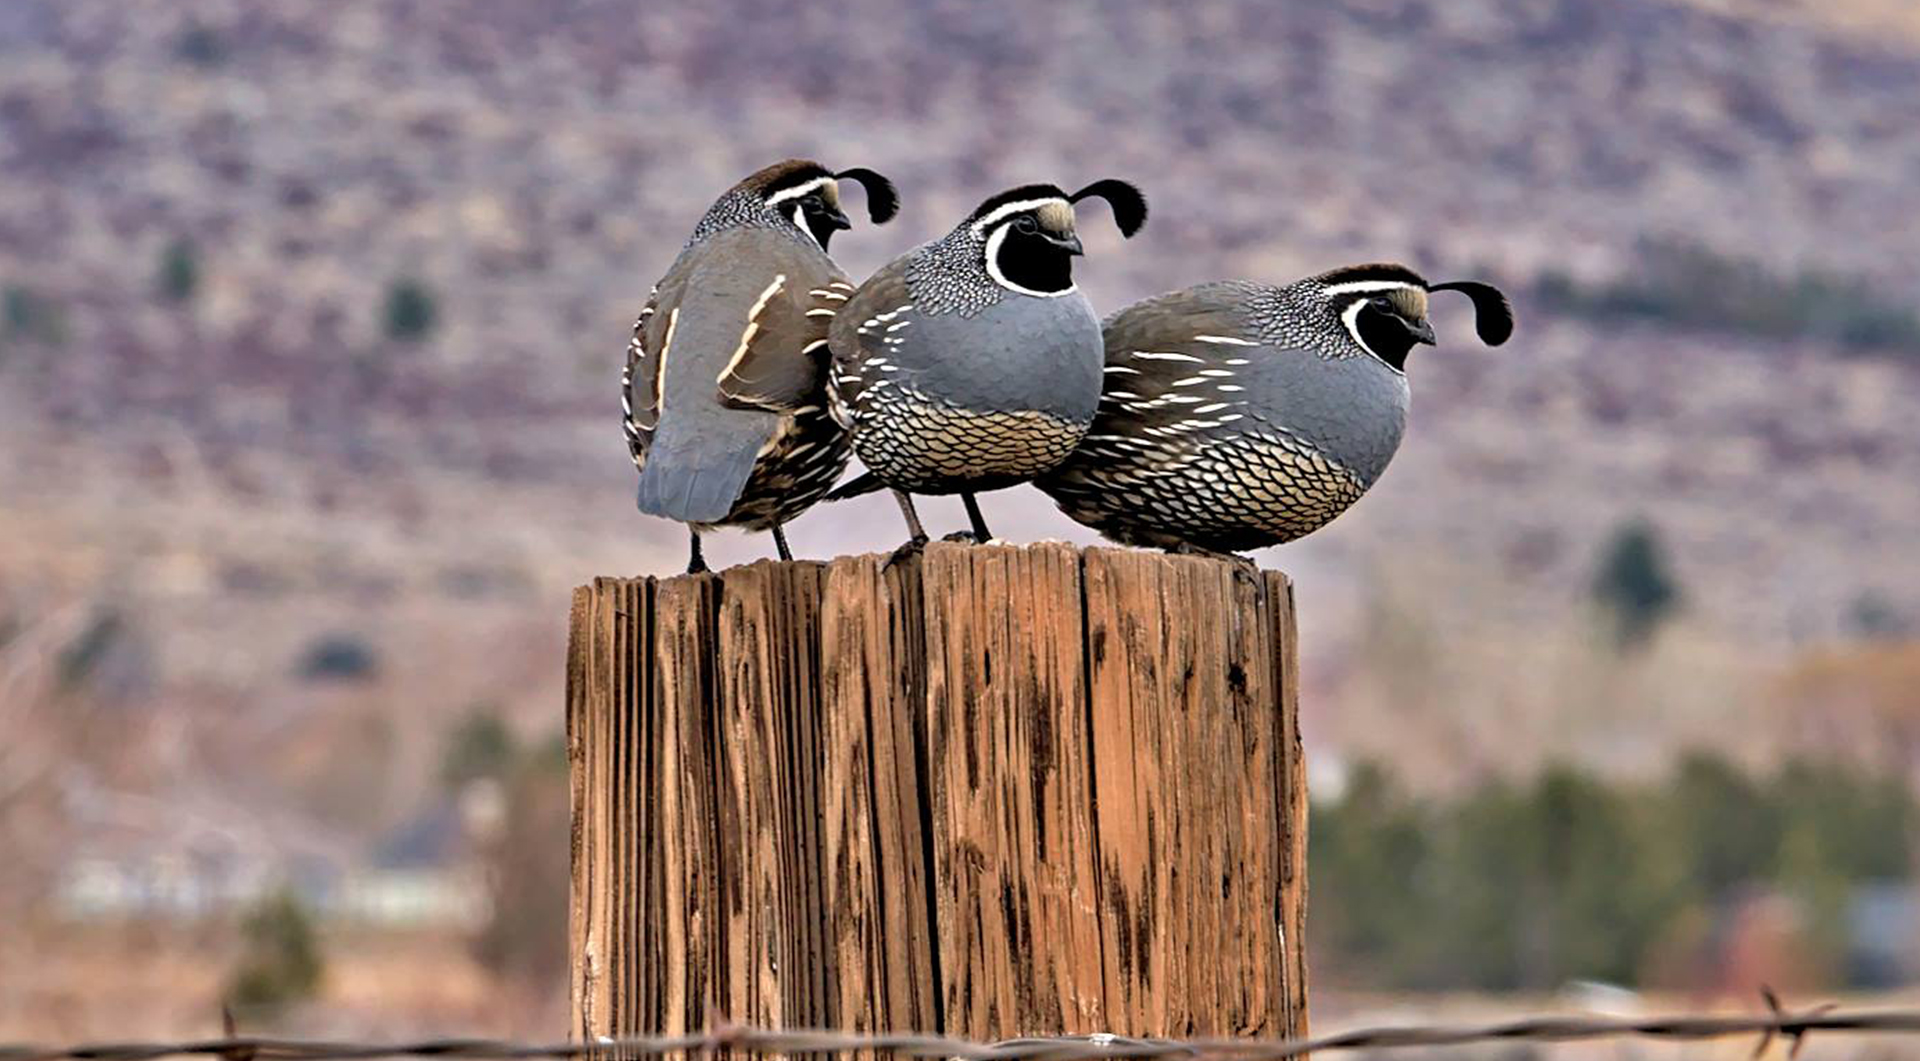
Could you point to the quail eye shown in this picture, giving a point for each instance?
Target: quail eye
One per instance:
(1024, 224)
(1381, 302)
(811, 204)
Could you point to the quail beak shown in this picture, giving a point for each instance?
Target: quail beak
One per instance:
(1070, 244)
(1422, 332)
(837, 219)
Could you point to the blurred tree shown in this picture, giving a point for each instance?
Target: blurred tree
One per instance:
(1526, 886)
(1632, 584)
(524, 939)
(1858, 823)
(1728, 827)
(280, 960)
(1839, 827)
(179, 274)
(1585, 889)
(411, 311)
(1368, 846)
(480, 747)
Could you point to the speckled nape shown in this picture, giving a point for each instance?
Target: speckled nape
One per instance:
(945, 276)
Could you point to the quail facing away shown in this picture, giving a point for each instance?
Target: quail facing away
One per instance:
(973, 362)
(725, 383)
(1239, 415)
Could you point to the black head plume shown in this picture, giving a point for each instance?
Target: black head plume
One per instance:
(1492, 313)
(882, 200)
(1129, 206)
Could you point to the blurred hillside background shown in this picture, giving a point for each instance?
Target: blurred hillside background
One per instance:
(311, 316)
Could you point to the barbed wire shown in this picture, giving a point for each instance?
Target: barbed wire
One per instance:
(1776, 1025)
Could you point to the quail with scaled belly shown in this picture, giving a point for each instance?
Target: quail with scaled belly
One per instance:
(973, 362)
(1239, 415)
(725, 383)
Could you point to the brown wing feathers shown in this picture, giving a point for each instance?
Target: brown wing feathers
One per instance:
(780, 362)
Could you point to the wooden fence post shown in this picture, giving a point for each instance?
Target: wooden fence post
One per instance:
(992, 791)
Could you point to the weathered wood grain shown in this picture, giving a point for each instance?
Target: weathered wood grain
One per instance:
(609, 751)
(987, 791)
(770, 963)
(1007, 748)
(873, 856)
(683, 819)
(1292, 823)
(1189, 794)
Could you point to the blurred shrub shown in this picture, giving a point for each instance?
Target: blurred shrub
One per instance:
(83, 657)
(1568, 877)
(19, 309)
(479, 747)
(524, 939)
(1689, 285)
(28, 316)
(411, 311)
(107, 658)
(178, 278)
(1873, 617)
(1855, 702)
(1632, 584)
(339, 657)
(200, 46)
(280, 961)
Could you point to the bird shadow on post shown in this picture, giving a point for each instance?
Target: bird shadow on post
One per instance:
(988, 791)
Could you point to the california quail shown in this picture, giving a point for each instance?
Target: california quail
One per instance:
(1239, 415)
(725, 384)
(973, 362)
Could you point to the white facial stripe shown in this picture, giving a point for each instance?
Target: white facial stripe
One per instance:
(994, 241)
(800, 221)
(1363, 286)
(797, 191)
(1011, 209)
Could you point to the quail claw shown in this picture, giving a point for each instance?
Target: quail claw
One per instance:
(1242, 564)
(913, 546)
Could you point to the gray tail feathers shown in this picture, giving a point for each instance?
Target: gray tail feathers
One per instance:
(865, 483)
(697, 483)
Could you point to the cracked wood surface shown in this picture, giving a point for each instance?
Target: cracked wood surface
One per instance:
(988, 791)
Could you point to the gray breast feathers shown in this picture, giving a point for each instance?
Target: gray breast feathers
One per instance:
(1187, 366)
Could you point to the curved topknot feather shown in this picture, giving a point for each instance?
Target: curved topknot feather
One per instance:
(1129, 206)
(1492, 313)
(883, 200)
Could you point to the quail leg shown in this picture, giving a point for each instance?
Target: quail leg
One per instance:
(780, 544)
(917, 534)
(918, 541)
(696, 563)
(980, 532)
